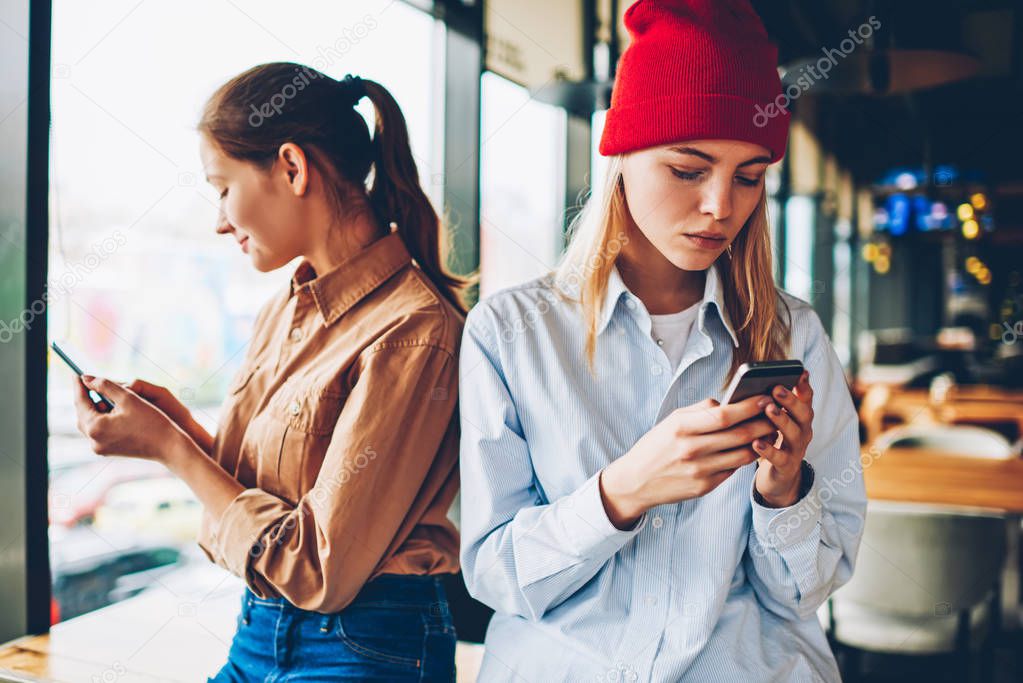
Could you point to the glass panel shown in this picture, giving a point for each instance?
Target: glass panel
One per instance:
(521, 177)
(800, 216)
(140, 283)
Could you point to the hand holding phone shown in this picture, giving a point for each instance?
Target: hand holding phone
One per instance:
(102, 403)
(686, 455)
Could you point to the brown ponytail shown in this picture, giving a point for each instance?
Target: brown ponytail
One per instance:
(397, 195)
(257, 111)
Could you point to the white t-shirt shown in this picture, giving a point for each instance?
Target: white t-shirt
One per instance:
(671, 331)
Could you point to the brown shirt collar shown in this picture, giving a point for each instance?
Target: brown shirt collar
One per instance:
(339, 289)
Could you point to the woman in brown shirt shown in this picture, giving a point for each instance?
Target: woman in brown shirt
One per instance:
(327, 485)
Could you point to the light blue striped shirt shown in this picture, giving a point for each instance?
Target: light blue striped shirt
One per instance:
(716, 588)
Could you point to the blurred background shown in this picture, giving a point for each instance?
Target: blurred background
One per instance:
(897, 213)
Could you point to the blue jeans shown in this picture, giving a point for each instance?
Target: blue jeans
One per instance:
(398, 628)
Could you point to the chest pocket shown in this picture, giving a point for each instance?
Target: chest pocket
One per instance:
(308, 409)
(301, 424)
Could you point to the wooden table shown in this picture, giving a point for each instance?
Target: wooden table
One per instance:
(981, 405)
(922, 476)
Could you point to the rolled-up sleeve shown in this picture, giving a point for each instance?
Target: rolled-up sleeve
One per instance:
(520, 554)
(367, 496)
(798, 555)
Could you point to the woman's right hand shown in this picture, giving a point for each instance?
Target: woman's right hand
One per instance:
(162, 398)
(686, 455)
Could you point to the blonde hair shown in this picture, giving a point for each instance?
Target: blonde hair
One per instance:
(754, 306)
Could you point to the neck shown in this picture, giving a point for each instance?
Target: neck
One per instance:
(662, 287)
(339, 241)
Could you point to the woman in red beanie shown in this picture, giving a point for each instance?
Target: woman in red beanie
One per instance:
(623, 524)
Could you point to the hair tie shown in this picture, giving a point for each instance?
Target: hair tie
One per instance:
(354, 89)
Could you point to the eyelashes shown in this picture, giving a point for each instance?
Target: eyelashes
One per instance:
(691, 176)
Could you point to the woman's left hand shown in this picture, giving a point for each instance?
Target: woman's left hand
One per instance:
(135, 427)
(779, 472)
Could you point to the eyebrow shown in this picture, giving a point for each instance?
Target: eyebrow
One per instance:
(210, 178)
(709, 158)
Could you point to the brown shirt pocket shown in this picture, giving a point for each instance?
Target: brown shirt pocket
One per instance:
(303, 418)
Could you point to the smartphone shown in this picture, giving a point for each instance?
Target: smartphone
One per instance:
(752, 379)
(102, 403)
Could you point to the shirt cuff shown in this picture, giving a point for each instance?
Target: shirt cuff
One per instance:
(594, 534)
(239, 534)
(780, 528)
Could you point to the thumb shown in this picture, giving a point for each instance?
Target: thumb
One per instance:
(108, 388)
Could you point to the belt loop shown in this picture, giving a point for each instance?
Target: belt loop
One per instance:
(325, 623)
(440, 607)
(246, 610)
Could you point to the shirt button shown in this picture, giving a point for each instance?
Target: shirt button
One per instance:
(656, 369)
(294, 408)
(296, 334)
(657, 521)
(630, 303)
(650, 599)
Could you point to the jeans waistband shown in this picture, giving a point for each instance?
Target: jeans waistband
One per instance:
(409, 589)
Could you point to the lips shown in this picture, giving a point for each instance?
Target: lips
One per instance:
(700, 241)
(706, 235)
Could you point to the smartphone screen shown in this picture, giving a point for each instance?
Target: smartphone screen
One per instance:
(102, 403)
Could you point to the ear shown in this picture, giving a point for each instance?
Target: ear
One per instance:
(295, 166)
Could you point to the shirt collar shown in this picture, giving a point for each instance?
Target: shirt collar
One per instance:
(337, 290)
(713, 293)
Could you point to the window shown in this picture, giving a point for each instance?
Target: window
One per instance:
(139, 282)
(521, 179)
(800, 219)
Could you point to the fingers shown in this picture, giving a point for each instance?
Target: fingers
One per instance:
(716, 480)
(145, 389)
(799, 406)
(108, 388)
(707, 416)
(775, 456)
(81, 392)
(791, 430)
(88, 412)
(728, 461)
(734, 437)
(803, 389)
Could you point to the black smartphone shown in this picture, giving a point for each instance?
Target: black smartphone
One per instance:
(102, 403)
(752, 379)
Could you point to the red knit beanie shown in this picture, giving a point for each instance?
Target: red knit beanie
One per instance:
(695, 69)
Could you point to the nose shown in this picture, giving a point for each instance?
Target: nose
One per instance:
(223, 227)
(717, 198)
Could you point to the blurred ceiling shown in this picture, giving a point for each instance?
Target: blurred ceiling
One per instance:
(938, 82)
(974, 123)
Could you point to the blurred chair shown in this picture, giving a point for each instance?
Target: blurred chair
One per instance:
(965, 440)
(872, 410)
(926, 582)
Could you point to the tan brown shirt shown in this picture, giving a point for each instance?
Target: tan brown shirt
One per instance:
(342, 425)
